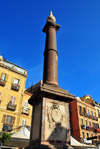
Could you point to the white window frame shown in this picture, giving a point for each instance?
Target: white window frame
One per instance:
(23, 121)
(25, 103)
(82, 134)
(16, 81)
(3, 77)
(13, 99)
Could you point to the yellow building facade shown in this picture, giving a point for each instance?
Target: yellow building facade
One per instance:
(14, 108)
(97, 107)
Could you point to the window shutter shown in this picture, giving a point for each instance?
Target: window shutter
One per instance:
(25, 103)
(12, 80)
(13, 120)
(22, 123)
(4, 118)
(19, 82)
(25, 122)
(11, 99)
(6, 78)
(14, 99)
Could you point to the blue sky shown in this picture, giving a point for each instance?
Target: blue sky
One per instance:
(78, 41)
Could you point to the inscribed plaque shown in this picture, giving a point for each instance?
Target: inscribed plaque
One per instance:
(55, 124)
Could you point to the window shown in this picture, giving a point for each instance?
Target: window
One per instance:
(84, 110)
(98, 111)
(92, 113)
(0, 94)
(83, 135)
(25, 103)
(95, 114)
(24, 122)
(80, 109)
(3, 77)
(93, 125)
(97, 125)
(81, 121)
(9, 119)
(12, 100)
(88, 112)
(89, 123)
(86, 122)
(16, 81)
(87, 135)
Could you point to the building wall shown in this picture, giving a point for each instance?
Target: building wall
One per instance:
(75, 129)
(7, 95)
(97, 107)
(80, 118)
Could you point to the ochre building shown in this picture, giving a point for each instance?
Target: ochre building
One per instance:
(84, 118)
(14, 109)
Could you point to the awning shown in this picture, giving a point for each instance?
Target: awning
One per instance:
(77, 144)
(20, 138)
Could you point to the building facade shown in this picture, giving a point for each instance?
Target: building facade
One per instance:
(83, 117)
(14, 108)
(97, 107)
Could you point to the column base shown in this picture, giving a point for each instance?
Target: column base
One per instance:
(49, 146)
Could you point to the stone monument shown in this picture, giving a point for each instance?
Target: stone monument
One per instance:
(50, 127)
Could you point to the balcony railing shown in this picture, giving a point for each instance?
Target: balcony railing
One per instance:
(2, 82)
(81, 113)
(93, 117)
(85, 114)
(15, 87)
(26, 110)
(90, 116)
(96, 118)
(7, 127)
(12, 107)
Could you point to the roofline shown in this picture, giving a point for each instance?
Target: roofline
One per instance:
(14, 64)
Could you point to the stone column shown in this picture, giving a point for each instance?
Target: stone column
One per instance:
(50, 74)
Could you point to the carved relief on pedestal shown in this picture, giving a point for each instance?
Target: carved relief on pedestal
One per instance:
(55, 121)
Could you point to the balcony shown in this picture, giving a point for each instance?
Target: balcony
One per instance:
(90, 116)
(2, 82)
(81, 113)
(12, 107)
(85, 114)
(96, 118)
(26, 110)
(15, 87)
(7, 127)
(93, 117)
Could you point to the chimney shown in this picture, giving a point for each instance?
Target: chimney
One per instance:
(50, 72)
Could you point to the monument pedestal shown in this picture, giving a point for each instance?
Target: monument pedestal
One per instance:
(50, 119)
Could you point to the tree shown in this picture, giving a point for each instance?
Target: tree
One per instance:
(4, 137)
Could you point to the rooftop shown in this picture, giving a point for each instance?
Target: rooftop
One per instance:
(12, 66)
